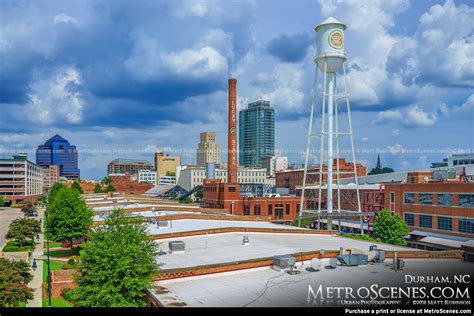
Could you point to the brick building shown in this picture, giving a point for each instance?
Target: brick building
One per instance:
(292, 178)
(127, 185)
(445, 208)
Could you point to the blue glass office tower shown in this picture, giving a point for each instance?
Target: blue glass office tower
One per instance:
(256, 133)
(58, 151)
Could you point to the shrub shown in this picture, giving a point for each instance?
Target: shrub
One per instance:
(68, 294)
(71, 262)
(361, 237)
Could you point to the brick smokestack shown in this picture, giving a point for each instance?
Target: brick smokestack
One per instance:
(232, 133)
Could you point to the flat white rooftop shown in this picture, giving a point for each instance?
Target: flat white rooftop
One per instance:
(264, 287)
(220, 248)
(186, 225)
(140, 205)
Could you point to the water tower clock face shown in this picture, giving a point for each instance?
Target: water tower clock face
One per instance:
(335, 39)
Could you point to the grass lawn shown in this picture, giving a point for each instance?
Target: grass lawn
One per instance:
(59, 253)
(53, 244)
(22, 304)
(54, 266)
(13, 246)
(57, 303)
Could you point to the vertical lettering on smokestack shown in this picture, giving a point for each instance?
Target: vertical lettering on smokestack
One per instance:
(232, 133)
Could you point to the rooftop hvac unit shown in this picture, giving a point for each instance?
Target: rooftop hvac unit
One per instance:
(373, 247)
(380, 257)
(283, 262)
(176, 245)
(353, 259)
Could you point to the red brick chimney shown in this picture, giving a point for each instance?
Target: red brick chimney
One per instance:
(232, 164)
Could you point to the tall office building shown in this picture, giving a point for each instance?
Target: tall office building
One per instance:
(208, 149)
(57, 151)
(256, 133)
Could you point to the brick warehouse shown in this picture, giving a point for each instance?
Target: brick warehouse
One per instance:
(294, 177)
(445, 208)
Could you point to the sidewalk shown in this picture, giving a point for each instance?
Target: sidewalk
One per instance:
(37, 281)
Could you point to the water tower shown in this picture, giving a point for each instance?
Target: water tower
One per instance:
(330, 58)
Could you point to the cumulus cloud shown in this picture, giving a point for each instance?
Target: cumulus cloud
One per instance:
(149, 62)
(64, 18)
(396, 149)
(468, 106)
(388, 116)
(285, 93)
(442, 50)
(417, 117)
(56, 98)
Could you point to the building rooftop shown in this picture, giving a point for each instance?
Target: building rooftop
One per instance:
(189, 225)
(265, 287)
(130, 160)
(223, 248)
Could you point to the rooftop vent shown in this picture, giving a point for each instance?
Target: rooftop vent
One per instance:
(176, 246)
(283, 262)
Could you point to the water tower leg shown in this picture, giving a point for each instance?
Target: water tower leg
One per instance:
(330, 148)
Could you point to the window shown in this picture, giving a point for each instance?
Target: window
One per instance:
(270, 209)
(231, 189)
(409, 198)
(426, 221)
(409, 219)
(444, 199)
(256, 210)
(445, 223)
(287, 209)
(412, 179)
(246, 210)
(426, 198)
(392, 197)
(466, 225)
(466, 200)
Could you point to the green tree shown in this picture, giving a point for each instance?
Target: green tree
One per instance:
(76, 186)
(390, 228)
(110, 188)
(43, 200)
(54, 190)
(98, 188)
(69, 217)
(22, 229)
(380, 170)
(106, 180)
(14, 277)
(117, 264)
(2, 200)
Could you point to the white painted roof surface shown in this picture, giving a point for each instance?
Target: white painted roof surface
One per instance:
(220, 248)
(265, 287)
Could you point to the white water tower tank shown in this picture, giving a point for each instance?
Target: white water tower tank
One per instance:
(330, 44)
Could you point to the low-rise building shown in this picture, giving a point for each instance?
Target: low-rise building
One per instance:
(147, 176)
(274, 164)
(128, 185)
(192, 176)
(455, 167)
(292, 178)
(131, 166)
(166, 165)
(20, 179)
(50, 176)
(445, 208)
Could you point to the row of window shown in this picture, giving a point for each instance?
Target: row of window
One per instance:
(444, 199)
(465, 225)
(278, 209)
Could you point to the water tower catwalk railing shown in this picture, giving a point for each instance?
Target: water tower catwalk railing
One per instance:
(330, 57)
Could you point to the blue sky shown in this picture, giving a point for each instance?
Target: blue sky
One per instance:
(120, 79)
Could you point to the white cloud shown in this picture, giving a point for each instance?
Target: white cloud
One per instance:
(395, 132)
(285, 92)
(56, 98)
(468, 106)
(388, 116)
(64, 18)
(148, 61)
(395, 149)
(417, 117)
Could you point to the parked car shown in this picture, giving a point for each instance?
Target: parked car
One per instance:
(32, 214)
